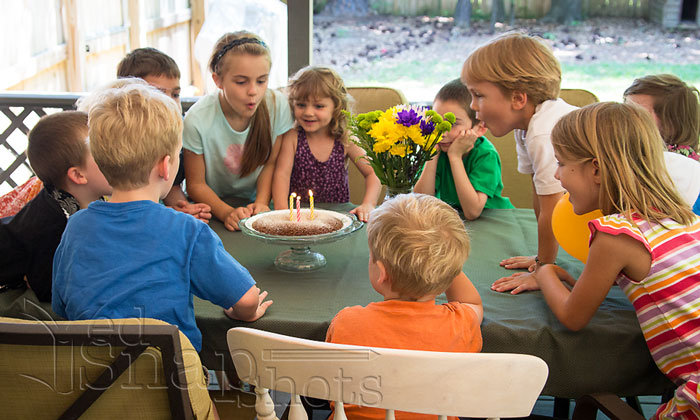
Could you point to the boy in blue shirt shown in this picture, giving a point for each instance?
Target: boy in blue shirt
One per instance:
(466, 171)
(131, 256)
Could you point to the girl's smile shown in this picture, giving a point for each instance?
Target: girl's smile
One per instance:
(314, 115)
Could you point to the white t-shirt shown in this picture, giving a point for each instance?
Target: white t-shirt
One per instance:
(207, 132)
(534, 146)
(685, 173)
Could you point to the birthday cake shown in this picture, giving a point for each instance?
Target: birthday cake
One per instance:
(279, 223)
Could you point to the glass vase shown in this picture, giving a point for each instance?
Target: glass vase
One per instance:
(392, 192)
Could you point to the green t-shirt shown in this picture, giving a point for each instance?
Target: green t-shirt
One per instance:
(483, 166)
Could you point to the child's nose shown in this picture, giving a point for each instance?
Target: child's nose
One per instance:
(473, 105)
(556, 173)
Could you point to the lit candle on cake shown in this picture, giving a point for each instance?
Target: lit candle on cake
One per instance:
(311, 204)
(298, 208)
(291, 206)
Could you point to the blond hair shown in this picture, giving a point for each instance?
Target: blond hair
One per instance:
(675, 105)
(321, 82)
(57, 143)
(626, 143)
(130, 129)
(258, 144)
(421, 241)
(516, 62)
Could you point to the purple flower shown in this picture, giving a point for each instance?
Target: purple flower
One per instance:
(407, 117)
(426, 127)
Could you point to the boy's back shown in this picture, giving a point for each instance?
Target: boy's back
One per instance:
(29, 241)
(145, 254)
(408, 325)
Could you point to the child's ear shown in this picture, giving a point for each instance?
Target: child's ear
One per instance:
(596, 171)
(217, 80)
(163, 167)
(76, 176)
(518, 99)
(383, 276)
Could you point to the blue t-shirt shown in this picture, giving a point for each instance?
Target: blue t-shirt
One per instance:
(140, 259)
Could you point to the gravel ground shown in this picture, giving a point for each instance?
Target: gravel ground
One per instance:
(363, 49)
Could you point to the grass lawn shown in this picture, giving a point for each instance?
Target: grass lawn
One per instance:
(421, 80)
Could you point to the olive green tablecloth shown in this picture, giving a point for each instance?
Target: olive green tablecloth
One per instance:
(608, 355)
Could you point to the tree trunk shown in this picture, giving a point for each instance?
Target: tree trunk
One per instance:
(463, 13)
(564, 11)
(348, 8)
(498, 12)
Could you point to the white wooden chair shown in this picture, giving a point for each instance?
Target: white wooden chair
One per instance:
(447, 384)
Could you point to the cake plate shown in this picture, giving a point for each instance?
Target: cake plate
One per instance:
(300, 257)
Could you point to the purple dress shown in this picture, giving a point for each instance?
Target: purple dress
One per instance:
(328, 180)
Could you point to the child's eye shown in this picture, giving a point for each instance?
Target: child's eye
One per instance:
(176, 95)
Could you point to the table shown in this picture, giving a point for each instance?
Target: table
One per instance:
(609, 355)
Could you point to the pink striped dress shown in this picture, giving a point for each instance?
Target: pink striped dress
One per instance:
(667, 303)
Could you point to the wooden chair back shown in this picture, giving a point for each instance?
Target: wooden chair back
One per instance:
(369, 99)
(448, 384)
(94, 369)
(517, 186)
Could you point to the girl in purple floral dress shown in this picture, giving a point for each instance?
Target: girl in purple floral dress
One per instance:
(314, 156)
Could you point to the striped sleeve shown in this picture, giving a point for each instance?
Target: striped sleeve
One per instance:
(616, 224)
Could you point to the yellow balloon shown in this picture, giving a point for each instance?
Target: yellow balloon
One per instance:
(571, 229)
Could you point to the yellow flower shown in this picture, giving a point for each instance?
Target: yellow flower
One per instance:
(382, 146)
(398, 150)
(382, 130)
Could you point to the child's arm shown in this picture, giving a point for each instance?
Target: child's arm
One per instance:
(264, 184)
(372, 185)
(283, 170)
(462, 290)
(195, 170)
(547, 246)
(250, 307)
(426, 182)
(471, 201)
(608, 256)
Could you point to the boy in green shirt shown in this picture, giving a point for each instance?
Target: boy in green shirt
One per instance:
(466, 171)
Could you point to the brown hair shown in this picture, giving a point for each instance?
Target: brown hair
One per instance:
(456, 91)
(675, 105)
(56, 143)
(516, 62)
(322, 82)
(143, 62)
(258, 145)
(421, 241)
(626, 143)
(131, 128)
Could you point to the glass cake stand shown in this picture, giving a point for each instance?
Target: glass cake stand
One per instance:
(300, 257)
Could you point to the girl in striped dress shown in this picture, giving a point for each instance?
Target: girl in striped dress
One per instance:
(610, 158)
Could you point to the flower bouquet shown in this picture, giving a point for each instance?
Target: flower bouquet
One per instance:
(399, 141)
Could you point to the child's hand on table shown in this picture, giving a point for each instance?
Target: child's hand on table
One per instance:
(362, 212)
(200, 211)
(514, 263)
(256, 208)
(516, 283)
(233, 313)
(238, 213)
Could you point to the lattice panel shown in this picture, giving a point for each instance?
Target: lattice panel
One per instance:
(16, 123)
(18, 114)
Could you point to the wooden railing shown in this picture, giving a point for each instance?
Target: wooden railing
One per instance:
(20, 111)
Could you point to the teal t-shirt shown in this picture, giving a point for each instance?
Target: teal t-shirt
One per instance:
(483, 166)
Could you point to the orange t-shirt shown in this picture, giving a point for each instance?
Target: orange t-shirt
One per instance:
(450, 327)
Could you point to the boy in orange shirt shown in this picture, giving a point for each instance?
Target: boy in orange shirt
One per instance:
(418, 246)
